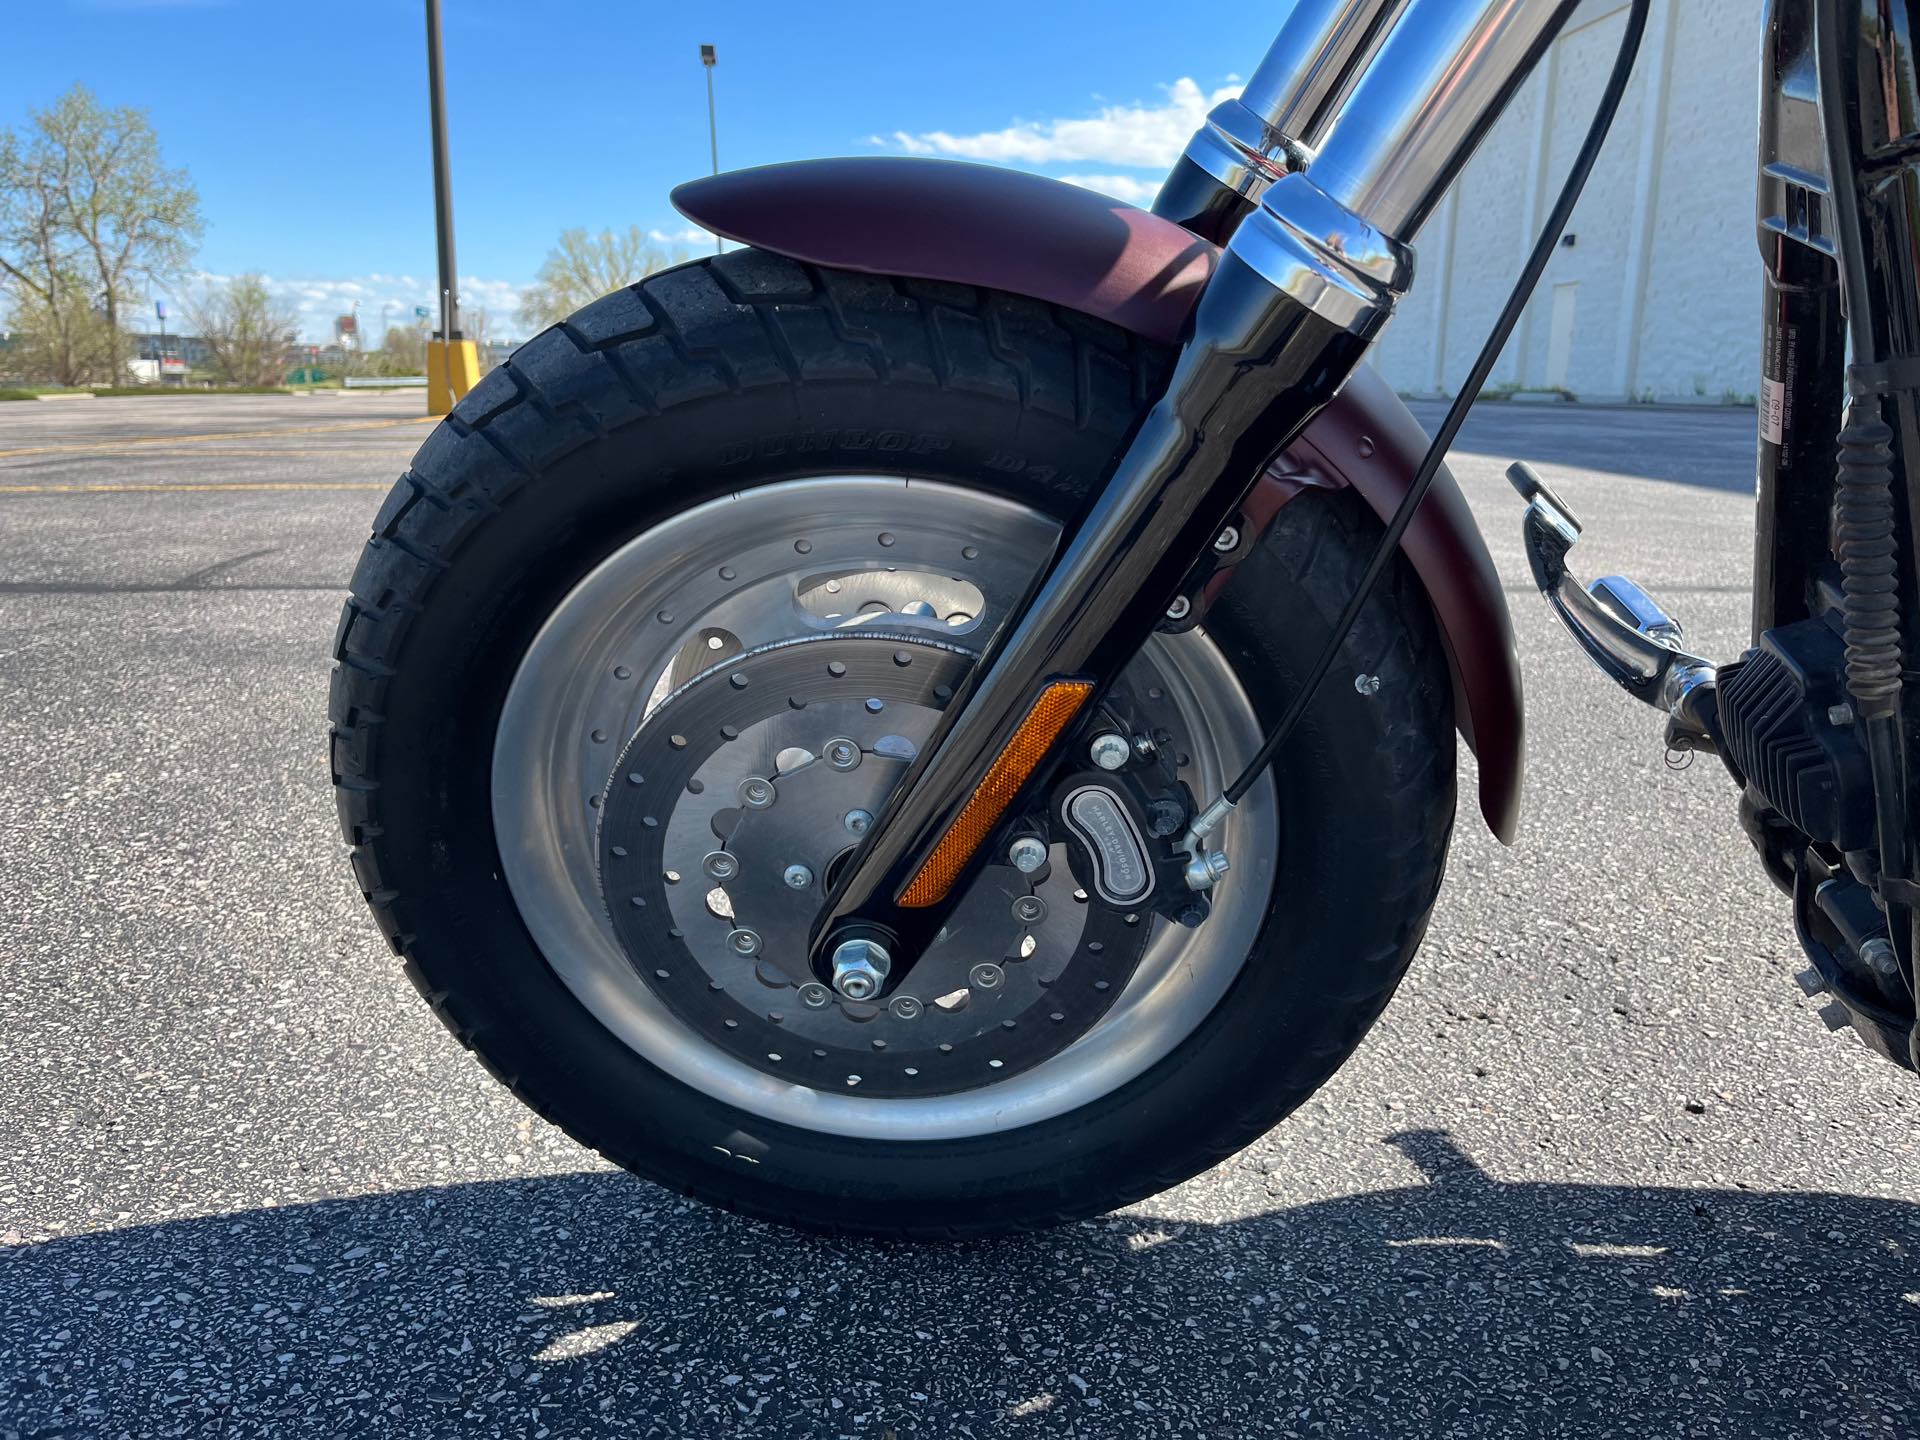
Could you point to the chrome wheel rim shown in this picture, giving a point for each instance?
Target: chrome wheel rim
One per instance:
(744, 571)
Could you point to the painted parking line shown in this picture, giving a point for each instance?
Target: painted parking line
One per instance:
(81, 447)
(162, 488)
(160, 453)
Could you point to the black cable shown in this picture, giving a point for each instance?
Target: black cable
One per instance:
(1456, 415)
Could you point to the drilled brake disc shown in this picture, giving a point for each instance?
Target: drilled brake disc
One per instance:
(722, 827)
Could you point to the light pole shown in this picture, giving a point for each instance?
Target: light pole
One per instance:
(453, 367)
(709, 59)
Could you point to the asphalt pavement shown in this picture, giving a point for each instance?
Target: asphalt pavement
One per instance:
(1600, 1170)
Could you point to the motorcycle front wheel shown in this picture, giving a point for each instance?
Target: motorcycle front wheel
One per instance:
(660, 613)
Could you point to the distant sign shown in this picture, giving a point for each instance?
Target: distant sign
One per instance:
(420, 312)
(160, 309)
(173, 367)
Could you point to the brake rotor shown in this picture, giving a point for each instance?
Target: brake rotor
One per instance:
(722, 827)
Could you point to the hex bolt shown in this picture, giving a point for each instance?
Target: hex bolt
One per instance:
(756, 793)
(858, 822)
(815, 997)
(905, 1007)
(1029, 909)
(1367, 684)
(1110, 751)
(986, 977)
(1027, 854)
(798, 877)
(1228, 539)
(842, 754)
(719, 865)
(1180, 608)
(1840, 714)
(860, 968)
(743, 942)
(1880, 955)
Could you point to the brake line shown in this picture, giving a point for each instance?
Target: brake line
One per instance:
(1456, 416)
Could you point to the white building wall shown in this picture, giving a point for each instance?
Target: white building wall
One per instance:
(1657, 296)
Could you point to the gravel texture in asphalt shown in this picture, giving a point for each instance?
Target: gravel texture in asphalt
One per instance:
(1600, 1170)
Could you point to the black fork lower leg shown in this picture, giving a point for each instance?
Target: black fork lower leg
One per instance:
(1259, 367)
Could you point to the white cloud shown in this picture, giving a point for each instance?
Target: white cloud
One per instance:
(691, 235)
(1130, 188)
(319, 300)
(1148, 136)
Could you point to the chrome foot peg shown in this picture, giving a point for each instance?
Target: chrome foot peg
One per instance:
(1619, 626)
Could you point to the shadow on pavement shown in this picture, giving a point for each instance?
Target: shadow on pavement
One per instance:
(580, 1303)
(1706, 449)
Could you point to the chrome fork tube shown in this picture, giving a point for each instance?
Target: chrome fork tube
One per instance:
(1335, 237)
(1248, 143)
(1302, 289)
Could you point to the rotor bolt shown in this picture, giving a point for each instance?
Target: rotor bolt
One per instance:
(905, 1007)
(1228, 539)
(719, 865)
(1029, 909)
(1110, 751)
(986, 977)
(859, 821)
(743, 942)
(843, 754)
(755, 793)
(1180, 608)
(815, 997)
(860, 968)
(1027, 854)
(798, 877)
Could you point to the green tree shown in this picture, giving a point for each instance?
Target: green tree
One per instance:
(45, 291)
(58, 336)
(87, 206)
(246, 330)
(582, 267)
(404, 351)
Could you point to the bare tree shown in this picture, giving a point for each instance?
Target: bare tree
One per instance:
(85, 194)
(246, 330)
(582, 267)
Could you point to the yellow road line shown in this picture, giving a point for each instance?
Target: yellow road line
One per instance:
(78, 446)
(158, 452)
(193, 485)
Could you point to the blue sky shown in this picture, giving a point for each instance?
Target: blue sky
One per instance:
(304, 125)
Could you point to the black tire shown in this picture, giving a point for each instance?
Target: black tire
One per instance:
(749, 368)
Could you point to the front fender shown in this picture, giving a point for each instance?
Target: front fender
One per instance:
(1007, 230)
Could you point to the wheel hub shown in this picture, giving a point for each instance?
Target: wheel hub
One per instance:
(722, 826)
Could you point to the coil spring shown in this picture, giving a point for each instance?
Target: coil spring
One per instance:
(1863, 540)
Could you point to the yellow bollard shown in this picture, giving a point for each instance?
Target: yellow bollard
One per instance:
(453, 368)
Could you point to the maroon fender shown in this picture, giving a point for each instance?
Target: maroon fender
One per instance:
(981, 225)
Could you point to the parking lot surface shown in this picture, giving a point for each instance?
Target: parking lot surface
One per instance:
(1600, 1170)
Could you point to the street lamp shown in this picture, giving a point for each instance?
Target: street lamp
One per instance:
(709, 59)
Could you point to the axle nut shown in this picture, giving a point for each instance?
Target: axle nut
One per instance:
(860, 968)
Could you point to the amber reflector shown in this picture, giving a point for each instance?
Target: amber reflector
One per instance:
(1051, 714)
